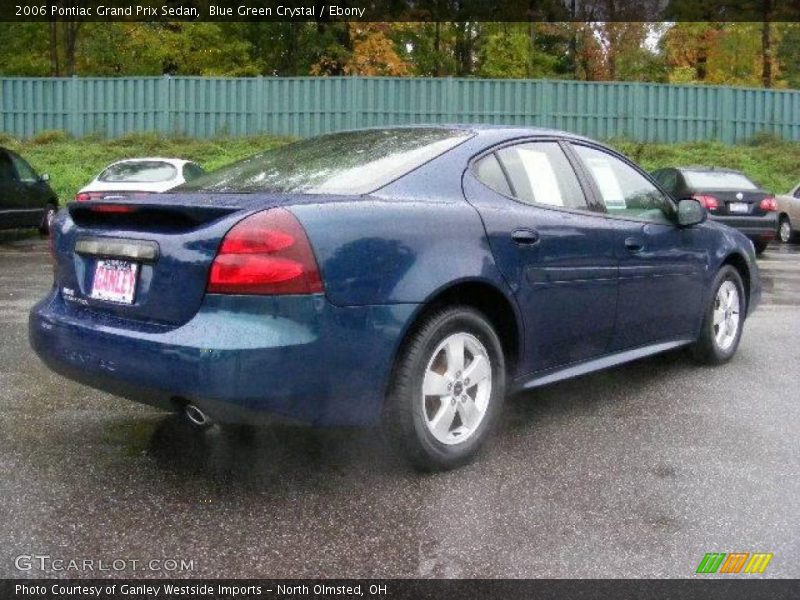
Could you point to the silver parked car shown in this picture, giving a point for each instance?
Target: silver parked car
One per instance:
(789, 215)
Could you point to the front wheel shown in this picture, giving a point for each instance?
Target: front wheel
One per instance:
(760, 246)
(447, 391)
(723, 320)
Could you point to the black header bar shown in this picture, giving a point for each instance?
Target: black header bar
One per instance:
(401, 10)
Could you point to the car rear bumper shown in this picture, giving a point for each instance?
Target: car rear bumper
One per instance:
(240, 359)
(762, 229)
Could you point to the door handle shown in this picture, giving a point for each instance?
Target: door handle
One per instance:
(525, 237)
(634, 244)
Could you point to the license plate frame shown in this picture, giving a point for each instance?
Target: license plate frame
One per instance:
(115, 281)
(739, 208)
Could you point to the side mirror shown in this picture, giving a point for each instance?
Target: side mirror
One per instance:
(44, 177)
(690, 212)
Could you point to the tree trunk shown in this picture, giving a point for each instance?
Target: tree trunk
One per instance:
(766, 51)
(437, 57)
(55, 68)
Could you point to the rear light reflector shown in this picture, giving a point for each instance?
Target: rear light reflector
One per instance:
(111, 208)
(265, 253)
(709, 202)
(768, 204)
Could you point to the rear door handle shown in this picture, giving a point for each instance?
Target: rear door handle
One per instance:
(634, 244)
(525, 237)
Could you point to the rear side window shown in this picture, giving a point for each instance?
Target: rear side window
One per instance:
(351, 162)
(668, 179)
(192, 171)
(718, 180)
(7, 170)
(489, 172)
(143, 171)
(540, 173)
(24, 170)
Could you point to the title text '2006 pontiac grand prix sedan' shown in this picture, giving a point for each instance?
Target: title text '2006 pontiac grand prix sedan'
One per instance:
(408, 276)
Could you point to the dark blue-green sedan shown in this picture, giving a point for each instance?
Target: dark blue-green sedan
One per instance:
(410, 277)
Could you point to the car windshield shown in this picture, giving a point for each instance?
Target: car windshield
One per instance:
(718, 180)
(141, 171)
(353, 162)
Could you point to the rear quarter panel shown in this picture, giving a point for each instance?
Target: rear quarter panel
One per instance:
(791, 206)
(389, 251)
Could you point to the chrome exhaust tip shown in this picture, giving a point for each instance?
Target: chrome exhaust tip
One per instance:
(196, 416)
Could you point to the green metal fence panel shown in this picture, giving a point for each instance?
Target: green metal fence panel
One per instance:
(305, 106)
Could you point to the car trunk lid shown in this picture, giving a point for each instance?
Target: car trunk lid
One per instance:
(736, 203)
(146, 258)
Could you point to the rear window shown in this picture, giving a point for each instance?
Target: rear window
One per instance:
(353, 162)
(718, 180)
(146, 171)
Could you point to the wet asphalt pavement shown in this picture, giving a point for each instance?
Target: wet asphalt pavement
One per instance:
(634, 472)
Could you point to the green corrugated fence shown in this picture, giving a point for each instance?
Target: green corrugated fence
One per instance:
(304, 106)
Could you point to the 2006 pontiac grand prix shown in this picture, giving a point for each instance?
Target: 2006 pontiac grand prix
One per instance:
(407, 276)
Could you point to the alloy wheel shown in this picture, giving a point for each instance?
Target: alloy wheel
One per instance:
(456, 388)
(726, 315)
(785, 231)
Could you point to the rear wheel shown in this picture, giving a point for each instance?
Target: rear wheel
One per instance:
(447, 391)
(760, 246)
(723, 320)
(785, 231)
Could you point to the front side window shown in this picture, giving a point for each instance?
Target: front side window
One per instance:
(624, 191)
(24, 170)
(351, 162)
(140, 171)
(539, 173)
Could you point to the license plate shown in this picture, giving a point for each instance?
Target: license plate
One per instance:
(114, 281)
(739, 207)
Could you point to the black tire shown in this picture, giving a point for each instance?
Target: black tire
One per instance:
(782, 224)
(706, 350)
(405, 420)
(44, 226)
(760, 246)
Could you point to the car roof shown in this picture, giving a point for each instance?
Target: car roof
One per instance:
(173, 161)
(492, 130)
(703, 169)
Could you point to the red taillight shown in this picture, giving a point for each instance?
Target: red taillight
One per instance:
(86, 196)
(266, 253)
(709, 202)
(768, 204)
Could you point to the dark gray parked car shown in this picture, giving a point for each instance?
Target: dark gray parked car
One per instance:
(26, 198)
(730, 198)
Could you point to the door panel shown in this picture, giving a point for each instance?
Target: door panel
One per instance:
(660, 286)
(8, 183)
(561, 266)
(661, 271)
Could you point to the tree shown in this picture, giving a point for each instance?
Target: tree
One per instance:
(362, 49)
